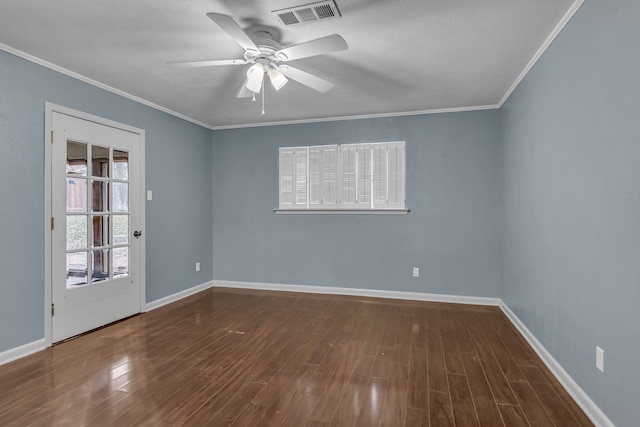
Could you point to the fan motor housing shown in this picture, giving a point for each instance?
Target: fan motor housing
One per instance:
(267, 47)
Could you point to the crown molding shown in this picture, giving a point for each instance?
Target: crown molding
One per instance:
(545, 45)
(96, 83)
(359, 117)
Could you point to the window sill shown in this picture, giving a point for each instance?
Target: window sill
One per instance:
(341, 211)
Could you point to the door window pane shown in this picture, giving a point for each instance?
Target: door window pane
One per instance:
(120, 229)
(76, 269)
(97, 217)
(100, 265)
(120, 197)
(120, 262)
(76, 195)
(76, 232)
(100, 161)
(97, 196)
(76, 158)
(100, 196)
(100, 231)
(120, 164)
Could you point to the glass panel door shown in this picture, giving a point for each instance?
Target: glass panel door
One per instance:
(96, 238)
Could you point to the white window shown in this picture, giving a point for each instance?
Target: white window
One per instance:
(348, 177)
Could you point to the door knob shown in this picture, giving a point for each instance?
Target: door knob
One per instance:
(137, 234)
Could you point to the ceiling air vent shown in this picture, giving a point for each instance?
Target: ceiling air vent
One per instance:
(307, 13)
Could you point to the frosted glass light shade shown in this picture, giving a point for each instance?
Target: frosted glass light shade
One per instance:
(255, 75)
(277, 78)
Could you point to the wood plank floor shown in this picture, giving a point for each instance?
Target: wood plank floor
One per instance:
(251, 358)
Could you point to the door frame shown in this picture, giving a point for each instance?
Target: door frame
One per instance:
(50, 108)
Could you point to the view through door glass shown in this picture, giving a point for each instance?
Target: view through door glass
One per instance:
(97, 213)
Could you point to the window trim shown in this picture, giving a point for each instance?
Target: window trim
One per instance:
(395, 211)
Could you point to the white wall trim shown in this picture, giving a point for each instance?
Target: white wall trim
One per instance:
(554, 33)
(359, 117)
(22, 351)
(545, 45)
(177, 296)
(415, 296)
(124, 94)
(35, 346)
(341, 211)
(50, 108)
(96, 83)
(48, 126)
(582, 399)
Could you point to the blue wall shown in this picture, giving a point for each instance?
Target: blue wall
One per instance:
(178, 170)
(572, 203)
(453, 232)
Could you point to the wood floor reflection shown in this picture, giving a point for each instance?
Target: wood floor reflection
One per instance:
(251, 358)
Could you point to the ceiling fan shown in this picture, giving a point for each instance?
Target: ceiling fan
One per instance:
(268, 58)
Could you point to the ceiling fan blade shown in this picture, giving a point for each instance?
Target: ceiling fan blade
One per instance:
(328, 44)
(307, 79)
(208, 63)
(231, 27)
(243, 92)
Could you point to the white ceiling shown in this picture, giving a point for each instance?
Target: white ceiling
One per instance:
(404, 55)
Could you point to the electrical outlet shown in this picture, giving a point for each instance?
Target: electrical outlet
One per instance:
(600, 359)
(197, 266)
(149, 195)
(416, 271)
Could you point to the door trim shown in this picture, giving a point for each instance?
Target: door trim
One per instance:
(50, 108)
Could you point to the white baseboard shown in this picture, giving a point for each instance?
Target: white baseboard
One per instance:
(177, 296)
(22, 351)
(35, 346)
(582, 399)
(416, 296)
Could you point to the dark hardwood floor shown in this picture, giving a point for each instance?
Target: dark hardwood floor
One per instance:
(250, 358)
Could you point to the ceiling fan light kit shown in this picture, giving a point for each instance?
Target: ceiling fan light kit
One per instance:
(278, 80)
(255, 76)
(266, 55)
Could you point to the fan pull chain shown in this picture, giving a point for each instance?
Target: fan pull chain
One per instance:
(263, 93)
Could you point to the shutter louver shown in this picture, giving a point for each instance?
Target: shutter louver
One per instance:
(396, 175)
(379, 176)
(348, 194)
(315, 176)
(301, 190)
(330, 176)
(364, 177)
(286, 167)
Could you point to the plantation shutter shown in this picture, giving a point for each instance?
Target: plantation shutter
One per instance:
(301, 184)
(315, 176)
(330, 176)
(292, 165)
(396, 175)
(364, 176)
(334, 177)
(286, 165)
(380, 153)
(348, 181)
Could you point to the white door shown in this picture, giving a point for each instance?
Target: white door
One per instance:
(96, 237)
